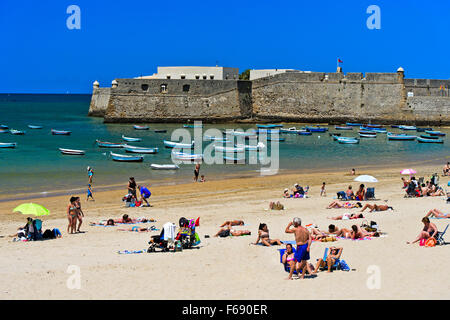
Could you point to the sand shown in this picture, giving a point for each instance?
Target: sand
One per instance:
(228, 268)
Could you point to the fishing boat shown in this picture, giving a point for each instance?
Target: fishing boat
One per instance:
(424, 129)
(156, 166)
(72, 152)
(401, 137)
(276, 139)
(337, 138)
(379, 130)
(126, 158)
(160, 130)
(267, 131)
(17, 132)
(192, 126)
(316, 129)
(104, 144)
(61, 132)
(435, 133)
(377, 126)
(350, 124)
(8, 144)
(133, 149)
(186, 156)
(364, 135)
(348, 141)
(240, 133)
(34, 126)
(238, 160)
(428, 136)
(304, 133)
(368, 132)
(269, 126)
(4, 130)
(3, 126)
(136, 127)
(247, 147)
(171, 144)
(229, 149)
(293, 130)
(407, 127)
(423, 140)
(128, 139)
(343, 127)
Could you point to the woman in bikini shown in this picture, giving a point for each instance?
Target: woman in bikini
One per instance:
(233, 223)
(263, 235)
(376, 207)
(348, 216)
(344, 233)
(334, 253)
(72, 215)
(288, 258)
(429, 230)
(227, 231)
(80, 214)
(336, 204)
(438, 214)
(361, 193)
(358, 233)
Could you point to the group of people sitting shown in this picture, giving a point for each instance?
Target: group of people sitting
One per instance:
(33, 231)
(297, 192)
(360, 195)
(446, 169)
(131, 198)
(416, 188)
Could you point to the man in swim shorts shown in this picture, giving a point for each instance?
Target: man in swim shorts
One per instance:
(303, 240)
(145, 194)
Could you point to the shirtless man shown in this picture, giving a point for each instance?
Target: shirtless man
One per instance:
(376, 207)
(303, 240)
(429, 230)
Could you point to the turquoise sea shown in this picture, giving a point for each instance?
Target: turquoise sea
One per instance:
(36, 166)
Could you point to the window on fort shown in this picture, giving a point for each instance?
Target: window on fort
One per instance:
(211, 77)
(144, 87)
(168, 77)
(163, 88)
(183, 77)
(197, 76)
(186, 88)
(204, 77)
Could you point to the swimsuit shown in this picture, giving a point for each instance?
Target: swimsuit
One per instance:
(301, 253)
(135, 228)
(72, 213)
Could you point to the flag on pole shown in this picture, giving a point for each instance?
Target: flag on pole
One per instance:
(340, 61)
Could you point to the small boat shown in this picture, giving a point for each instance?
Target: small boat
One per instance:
(364, 135)
(317, 129)
(4, 130)
(128, 139)
(156, 166)
(407, 127)
(380, 130)
(304, 133)
(348, 141)
(269, 126)
(171, 144)
(423, 140)
(126, 158)
(160, 130)
(34, 127)
(192, 126)
(337, 138)
(376, 126)
(424, 129)
(402, 137)
(428, 137)
(104, 144)
(368, 132)
(276, 139)
(267, 131)
(343, 128)
(350, 124)
(133, 149)
(293, 130)
(435, 133)
(234, 160)
(229, 149)
(72, 152)
(186, 156)
(136, 127)
(61, 132)
(217, 139)
(17, 132)
(3, 126)
(8, 144)
(395, 126)
(258, 147)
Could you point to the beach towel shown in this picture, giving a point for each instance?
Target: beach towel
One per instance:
(130, 251)
(169, 231)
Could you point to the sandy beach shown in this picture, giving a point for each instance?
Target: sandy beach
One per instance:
(228, 268)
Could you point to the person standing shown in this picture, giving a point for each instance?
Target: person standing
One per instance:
(132, 187)
(80, 213)
(196, 172)
(323, 193)
(72, 215)
(89, 193)
(90, 174)
(145, 194)
(303, 240)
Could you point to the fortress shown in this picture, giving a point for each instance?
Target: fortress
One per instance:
(273, 95)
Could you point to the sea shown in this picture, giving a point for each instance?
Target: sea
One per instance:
(37, 168)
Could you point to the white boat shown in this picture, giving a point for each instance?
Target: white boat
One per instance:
(129, 139)
(125, 158)
(186, 156)
(240, 133)
(155, 166)
(16, 132)
(72, 152)
(133, 149)
(258, 147)
(171, 144)
(229, 149)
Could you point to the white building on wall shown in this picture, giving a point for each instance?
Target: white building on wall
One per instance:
(261, 73)
(195, 73)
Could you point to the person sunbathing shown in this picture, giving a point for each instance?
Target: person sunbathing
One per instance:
(334, 254)
(286, 194)
(137, 229)
(336, 204)
(233, 223)
(429, 230)
(437, 193)
(348, 216)
(438, 214)
(109, 222)
(376, 207)
(263, 235)
(227, 231)
(358, 233)
(288, 258)
(127, 219)
(316, 234)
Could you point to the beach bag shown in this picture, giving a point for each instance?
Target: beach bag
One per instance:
(430, 242)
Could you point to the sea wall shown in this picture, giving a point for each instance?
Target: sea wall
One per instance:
(99, 102)
(162, 100)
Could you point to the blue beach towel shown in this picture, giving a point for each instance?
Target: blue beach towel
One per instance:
(130, 252)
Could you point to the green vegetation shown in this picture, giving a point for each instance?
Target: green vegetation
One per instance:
(245, 75)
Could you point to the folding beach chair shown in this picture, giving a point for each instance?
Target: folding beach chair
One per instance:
(440, 236)
(286, 266)
(335, 266)
(370, 194)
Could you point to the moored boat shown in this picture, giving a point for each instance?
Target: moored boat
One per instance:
(348, 141)
(34, 126)
(105, 144)
(229, 149)
(16, 132)
(351, 124)
(72, 152)
(156, 166)
(171, 144)
(126, 158)
(129, 139)
(186, 156)
(343, 127)
(269, 126)
(401, 137)
(428, 136)
(423, 140)
(316, 129)
(133, 149)
(424, 129)
(8, 144)
(4, 130)
(136, 127)
(364, 135)
(435, 133)
(407, 127)
(3, 126)
(61, 132)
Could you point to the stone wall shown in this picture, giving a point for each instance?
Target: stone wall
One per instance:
(162, 100)
(99, 102)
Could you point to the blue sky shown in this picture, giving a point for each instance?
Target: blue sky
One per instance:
(39, 54)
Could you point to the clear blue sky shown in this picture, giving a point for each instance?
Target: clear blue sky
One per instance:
(39, 54)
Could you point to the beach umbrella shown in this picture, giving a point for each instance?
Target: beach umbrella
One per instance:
(32, 209)
(365, 178)
(408, 171)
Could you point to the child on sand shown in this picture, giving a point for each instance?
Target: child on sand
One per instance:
(323, 193)
(89, 193)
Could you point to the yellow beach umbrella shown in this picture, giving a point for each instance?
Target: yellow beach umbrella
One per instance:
(32, 209)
